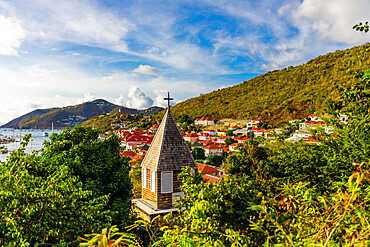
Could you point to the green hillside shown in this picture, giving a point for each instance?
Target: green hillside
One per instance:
(285, 94)
(103, 122)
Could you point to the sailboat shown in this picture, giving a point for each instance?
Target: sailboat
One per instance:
(46, 134)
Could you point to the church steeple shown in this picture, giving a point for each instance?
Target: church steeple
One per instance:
(168, 150)
(166, 156)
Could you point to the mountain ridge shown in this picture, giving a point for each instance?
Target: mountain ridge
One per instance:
(62, 117)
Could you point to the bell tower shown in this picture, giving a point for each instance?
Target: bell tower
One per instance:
(166, 156)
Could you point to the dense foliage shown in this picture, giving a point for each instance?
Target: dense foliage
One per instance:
(198, 153)
(285, 194)
(282, 194)
(76, 184)
(98, 165)
(215, 160)
(276, 193)
(289, 93)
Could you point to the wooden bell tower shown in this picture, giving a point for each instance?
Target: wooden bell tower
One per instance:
(166, 156)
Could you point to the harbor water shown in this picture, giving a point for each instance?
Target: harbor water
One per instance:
(38, 136)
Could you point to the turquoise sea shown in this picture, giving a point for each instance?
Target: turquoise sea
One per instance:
(38, 137)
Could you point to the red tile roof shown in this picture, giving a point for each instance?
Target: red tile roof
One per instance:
(205, 169)
(204, 134)
(138, 138)
(310, 139)
(136, 157)
(212, 146)
(128, 153)
(224, 137)
(206, 141)
(192, 134)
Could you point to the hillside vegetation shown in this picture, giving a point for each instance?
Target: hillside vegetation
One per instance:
(103, 122)
(285, 94)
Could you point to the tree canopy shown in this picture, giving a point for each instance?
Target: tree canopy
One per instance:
(76, 184)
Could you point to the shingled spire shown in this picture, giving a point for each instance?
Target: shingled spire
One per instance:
(166, 156)
(168, 150)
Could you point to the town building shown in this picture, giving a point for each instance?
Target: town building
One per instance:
(255, 123)
(191, 137)
(233, 147)
(213, 149)
(204, 121)
(249, 133)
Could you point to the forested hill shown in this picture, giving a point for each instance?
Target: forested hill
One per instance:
(285, 94)
(70, 115)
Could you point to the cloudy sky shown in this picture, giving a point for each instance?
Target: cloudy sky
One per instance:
(58, 53)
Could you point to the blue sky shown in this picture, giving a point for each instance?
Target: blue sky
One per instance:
(59, 53)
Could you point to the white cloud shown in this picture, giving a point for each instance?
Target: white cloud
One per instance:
(269, 67)
(95, 27)
(17, 106)
(50, 84)
(146, 69)
(182, 55)
(12, 35)
(333, 19)
(159, 99)
(138, 99)
(284, 9)
(120, 100)
(80, 21)
(87, 97)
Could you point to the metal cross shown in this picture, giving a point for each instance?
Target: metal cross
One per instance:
(168, 100)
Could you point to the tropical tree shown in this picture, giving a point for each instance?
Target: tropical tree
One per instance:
(198, 153)
(229, 141)
(229, 133)
(98, 165)
(215, 160)
(41, 205)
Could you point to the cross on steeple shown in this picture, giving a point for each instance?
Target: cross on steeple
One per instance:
(168, 99)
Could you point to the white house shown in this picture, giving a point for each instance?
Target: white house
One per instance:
(212, 149)
(204, 121)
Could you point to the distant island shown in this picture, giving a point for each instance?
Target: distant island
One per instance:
(71, 115)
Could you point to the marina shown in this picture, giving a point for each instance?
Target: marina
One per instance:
(10, 140)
